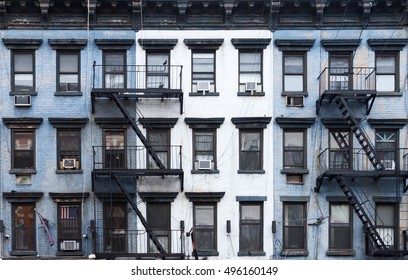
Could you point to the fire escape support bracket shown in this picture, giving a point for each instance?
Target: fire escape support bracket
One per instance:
(369, 104)
(139, 134)
(150, 233)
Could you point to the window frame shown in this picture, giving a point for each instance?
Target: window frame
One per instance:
(162, 230)
(395, 226)
(212, 73)
(333, 227)
(70, 228)
(259, 164)
(15, 131)
(106, 53)
(162, 148)
(288, 227)
(260, 72)
(118, 148)
(303, 55)
(121, 230)
(205, 228)
(396, 73)
(77, 72)
(197, 152)
(348, 151)
(348, 74)
(394, 151)
(16, 250)
(68, 154)
(245, 251)
(166, 67)
(14, 53)
(286, 149)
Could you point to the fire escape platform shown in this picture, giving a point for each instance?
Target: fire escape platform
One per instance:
(365, 96)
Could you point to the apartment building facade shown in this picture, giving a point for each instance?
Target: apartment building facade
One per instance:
(220, 129)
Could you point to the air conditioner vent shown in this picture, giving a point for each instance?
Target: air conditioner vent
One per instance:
(22, 100)
(388, 164)
(203, 86)
(250, 86)
(69, 163)
(204, 164)
(69, 245)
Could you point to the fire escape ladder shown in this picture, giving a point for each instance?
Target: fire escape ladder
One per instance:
(139, 134)
(357, 129)
(150, 233)
(362, 214)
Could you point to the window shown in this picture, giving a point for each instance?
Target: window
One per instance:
(24, 234)
(203, 76)
(23, 147)
(205, 226)
(294, 73)
(69, 148)
(385, 221)
(250, 157)
(69, 227)
(251, 227)
(387, 78)
(294, 225)
(23, 75)
(340, 149)
(158, 219)
(114, 69)
(294, 149)
(250, 71)
(159, 139)
(115, 227)
(340, 74)
(115, 149)
(158, 71)
(340, 226)
(386, 147)
(68, 72)
(204, 149)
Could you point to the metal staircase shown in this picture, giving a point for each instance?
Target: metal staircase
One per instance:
(356, 128)
(368, 225)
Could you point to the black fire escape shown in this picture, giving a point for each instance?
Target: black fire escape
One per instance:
(348, 90)
(122, 87)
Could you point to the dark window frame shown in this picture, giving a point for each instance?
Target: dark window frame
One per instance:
(303, 55)
(162, 148)
(348, 152)
(73, 225)
(124, 149)
(287, 228)
(15, 131)
(395, 226)
(119, 242)
(160, 231)
(59, 72)
(197, 152)
(20, 221)
(339, 72)
(260, 72)
(68, 154)
(106, 71)
(333, 227)
(213, 72)
(30, 72)
(165, 75)
(383, 152)
(243, 250)
(396, 56)
(286, 149)
(198, 229)
(242, 152)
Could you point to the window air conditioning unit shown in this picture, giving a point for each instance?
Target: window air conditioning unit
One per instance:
(250, 86)
(69, 245)
(69, 163)
(204, 164)
(22, 100)
(203, 86)
(388, 164)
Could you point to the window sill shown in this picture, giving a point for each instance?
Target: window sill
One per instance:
(68, 93)
(294, 93)
(23, 253)
(32, 93)
(251, 253)
(72, 253)
(294, 252)
(242, 171)
(388, 94)
(207, 253)
(251, 94)
(344, 252)
(23, 171)
(204, 94)
(215, 171)
(73, 171)
(294, 171)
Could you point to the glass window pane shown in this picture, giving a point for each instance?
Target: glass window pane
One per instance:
(68, 63)
(250, 212)
(250, 141)
(69, 141)
(250, 77)
(23, 140)
(340, 214)
(204, 215)
(293, 139)
(23, 81)
(114, 140)
(294, 215)
(385, 82)
(23, 63)
(24, 227)
(250, 62)
(293, 65)
(293, 83)
(157, 59)
(339, 61)
(385, 215)
(385, 64)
